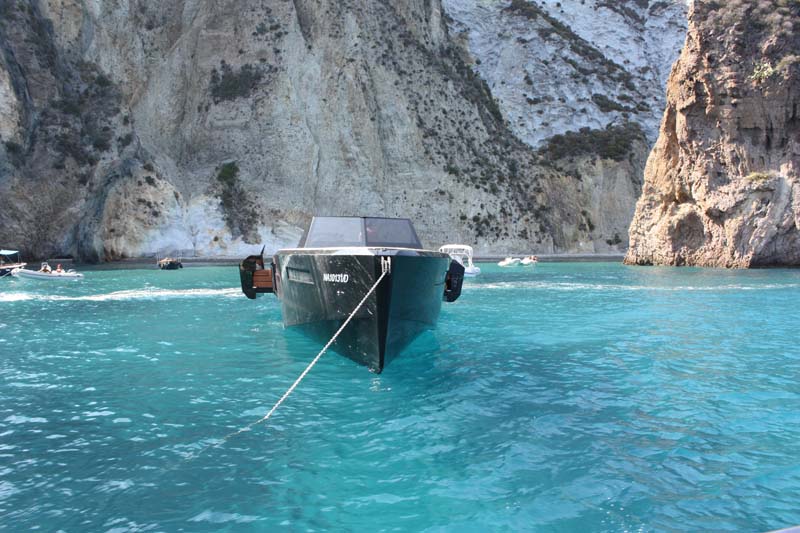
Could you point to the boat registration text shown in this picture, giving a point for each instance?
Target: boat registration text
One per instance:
(336, 278)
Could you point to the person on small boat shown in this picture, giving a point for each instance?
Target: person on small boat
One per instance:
(59, 270)
(45, 268)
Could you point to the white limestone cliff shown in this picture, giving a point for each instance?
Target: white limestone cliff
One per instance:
(211, 128)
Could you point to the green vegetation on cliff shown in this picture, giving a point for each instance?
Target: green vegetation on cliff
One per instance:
(613, 142)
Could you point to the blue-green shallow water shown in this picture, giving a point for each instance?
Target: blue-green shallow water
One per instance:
(569, 397)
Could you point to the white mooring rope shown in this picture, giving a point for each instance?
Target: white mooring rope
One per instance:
(386, 267)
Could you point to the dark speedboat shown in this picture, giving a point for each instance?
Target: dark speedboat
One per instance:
(9, 260)
(169, 263)
(338, 261)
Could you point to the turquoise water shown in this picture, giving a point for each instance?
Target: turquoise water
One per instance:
(569, 397)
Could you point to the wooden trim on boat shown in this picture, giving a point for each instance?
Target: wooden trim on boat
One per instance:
(262, 279)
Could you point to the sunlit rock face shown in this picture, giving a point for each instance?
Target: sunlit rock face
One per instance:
(721, 186)
(559, 66)
(132, 128)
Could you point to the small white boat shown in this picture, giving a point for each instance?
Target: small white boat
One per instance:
(530, 260)
(509, 261)
(47, 273)
(463, 254)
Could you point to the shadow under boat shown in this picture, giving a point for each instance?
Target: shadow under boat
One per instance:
(337, 262)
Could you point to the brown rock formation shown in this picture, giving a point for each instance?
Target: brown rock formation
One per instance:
(721, 185)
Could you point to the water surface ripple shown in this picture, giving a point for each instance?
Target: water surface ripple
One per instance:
(568, 397)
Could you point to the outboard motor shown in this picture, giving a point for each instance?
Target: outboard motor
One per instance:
(453, 281)
(255, 278)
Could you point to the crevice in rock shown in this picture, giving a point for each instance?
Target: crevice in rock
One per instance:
(304, 20)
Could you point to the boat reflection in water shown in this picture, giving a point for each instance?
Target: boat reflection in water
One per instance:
(337, 262)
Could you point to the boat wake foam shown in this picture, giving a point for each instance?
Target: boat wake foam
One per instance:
(133, 294)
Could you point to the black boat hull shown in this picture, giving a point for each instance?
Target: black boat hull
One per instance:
(319, 290)
(6, 268)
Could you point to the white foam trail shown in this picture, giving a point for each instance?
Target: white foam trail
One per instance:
(133, 294)
(15, 297)
(163, 294)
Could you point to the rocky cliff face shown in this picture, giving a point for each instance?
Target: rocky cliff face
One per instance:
(560, 66)
(721, 186)
(210, 128)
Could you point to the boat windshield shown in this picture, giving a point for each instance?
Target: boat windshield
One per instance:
(457, 249)
(328, 232)
(396, 232)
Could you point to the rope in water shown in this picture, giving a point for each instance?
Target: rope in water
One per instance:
(385, 269)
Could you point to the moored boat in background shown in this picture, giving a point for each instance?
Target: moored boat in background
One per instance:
(463, 254)
(9, 260)
(338, 262)
(169, 263)
(509, 261)
(47, 273)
